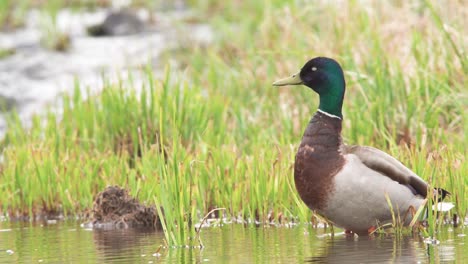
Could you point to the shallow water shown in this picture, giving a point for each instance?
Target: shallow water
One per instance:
(67, 242)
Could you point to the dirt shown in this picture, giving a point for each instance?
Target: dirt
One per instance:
(115, 208)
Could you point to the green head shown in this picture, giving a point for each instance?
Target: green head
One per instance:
(324, 76)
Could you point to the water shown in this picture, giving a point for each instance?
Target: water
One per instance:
(67, 242)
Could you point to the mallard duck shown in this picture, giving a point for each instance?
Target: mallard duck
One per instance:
(348, 185)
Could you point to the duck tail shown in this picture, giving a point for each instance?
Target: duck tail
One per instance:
(441, 194)
(443, 206)
(439, 205)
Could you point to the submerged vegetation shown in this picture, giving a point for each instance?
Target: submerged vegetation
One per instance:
(215, 133)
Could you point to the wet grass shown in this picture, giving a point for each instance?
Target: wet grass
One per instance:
(216, 134)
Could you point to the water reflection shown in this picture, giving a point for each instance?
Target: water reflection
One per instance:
(349, 249)
(66, 242)
(124, 244)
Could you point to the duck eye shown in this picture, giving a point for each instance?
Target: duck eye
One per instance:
(314, 68)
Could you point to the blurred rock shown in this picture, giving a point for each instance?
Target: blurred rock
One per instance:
(119, 23)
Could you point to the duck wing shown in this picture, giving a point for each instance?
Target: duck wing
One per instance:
(389, 166)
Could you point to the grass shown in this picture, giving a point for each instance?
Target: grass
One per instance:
(215, 134)
(52, 37)
(12, 13)
(6, 52)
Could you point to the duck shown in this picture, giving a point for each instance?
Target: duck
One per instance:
(353, 187)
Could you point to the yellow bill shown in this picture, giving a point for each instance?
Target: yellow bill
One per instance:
(295, 79)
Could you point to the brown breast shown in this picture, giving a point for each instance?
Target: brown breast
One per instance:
(318, 159)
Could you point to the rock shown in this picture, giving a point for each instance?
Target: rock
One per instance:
(118, 23)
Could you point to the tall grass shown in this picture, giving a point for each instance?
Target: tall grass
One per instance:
(216, 134)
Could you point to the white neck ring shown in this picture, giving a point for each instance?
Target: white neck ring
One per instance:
(328, 114)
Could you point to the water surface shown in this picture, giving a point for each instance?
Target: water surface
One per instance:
(66, 242)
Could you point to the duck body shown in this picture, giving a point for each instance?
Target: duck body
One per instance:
(332, 180)
(349, 185)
